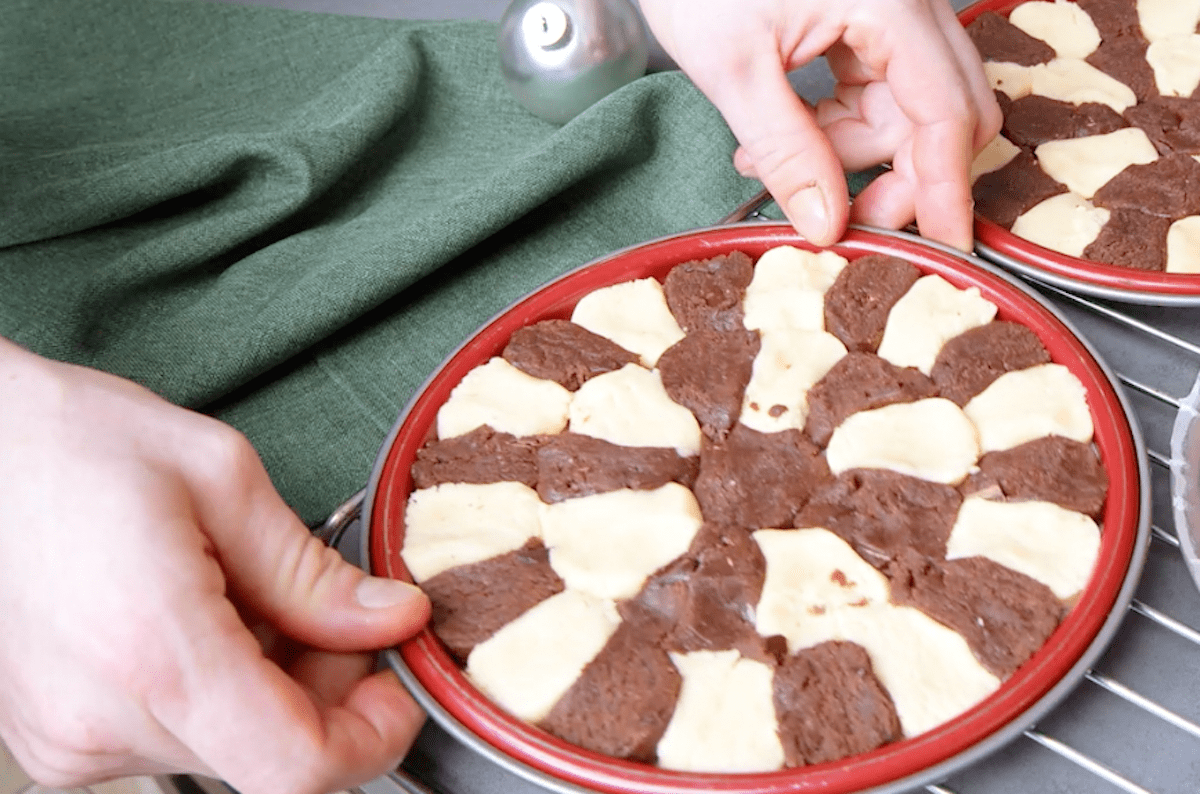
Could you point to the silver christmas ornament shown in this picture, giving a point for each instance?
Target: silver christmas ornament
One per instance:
(560, 56)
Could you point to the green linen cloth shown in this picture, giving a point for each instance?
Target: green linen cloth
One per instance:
(288, 219)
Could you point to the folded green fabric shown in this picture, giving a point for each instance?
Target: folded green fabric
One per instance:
(288, 219)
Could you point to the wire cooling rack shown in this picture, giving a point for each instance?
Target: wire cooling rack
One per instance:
(1133, 723)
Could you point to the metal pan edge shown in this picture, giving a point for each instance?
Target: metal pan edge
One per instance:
(1078, 286)
(1019, 724)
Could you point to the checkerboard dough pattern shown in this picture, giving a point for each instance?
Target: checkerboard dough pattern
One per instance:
(761, 515)
(1097, 158)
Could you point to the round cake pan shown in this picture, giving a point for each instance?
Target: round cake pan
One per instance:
(1185, 479)
(441, 687)
(1069, 273)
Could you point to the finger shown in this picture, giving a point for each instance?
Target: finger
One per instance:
(848, 69)
(864, 125)
(262, 731)
(280, 572)
(930, 87)
(786, 148)
(988, 111)
(743, 165)
(329, 677)
(888, 202)
(943, 202)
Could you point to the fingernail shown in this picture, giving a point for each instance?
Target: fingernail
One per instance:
(809, 214)
(375, 592)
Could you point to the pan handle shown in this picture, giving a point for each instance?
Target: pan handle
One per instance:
(750, 207)
(340, 519)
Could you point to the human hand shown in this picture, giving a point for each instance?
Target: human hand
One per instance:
(910, 91)
(162, 610)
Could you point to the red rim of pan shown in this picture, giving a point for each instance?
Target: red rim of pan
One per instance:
(432, 666)
(1099, 274)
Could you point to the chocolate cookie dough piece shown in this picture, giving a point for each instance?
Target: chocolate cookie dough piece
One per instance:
(566, 353)
(1034, 119)
(830, 705)
(755, 480)
(1005, 616)
(1049, 469)
(704, 601)
(470, 602)
(1113, 17)
(571, 465)
(1006, 193)
(1169, 187)
(1003, 100)
(860, 382)
(623, 699)
(881, 513)
(1171, 123)
(1131, 238)
(858, 302)
(997, 39)
(971, 361)
(708, 293)
(707, 372)
(480, 456)
(1124, 58)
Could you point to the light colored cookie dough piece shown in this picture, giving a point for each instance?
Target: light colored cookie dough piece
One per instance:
(928, 669)
(812, 575)
(498, 394)
(932, 439)
(997, 154)
(1013, 79)
(1066, 223)
(1165, 18)
(1176, 64)
(788, 363)
(1085, 164)
(1064, 26)
(532, 661)
(725, 719)
(930, 313)
(630, 407)
(1183, 245)
(459, 523)
(817, 589)
(788, 288)
(608, 544)
(634, 314)
(1075, 81)
(1025, 404)
(1056, 546)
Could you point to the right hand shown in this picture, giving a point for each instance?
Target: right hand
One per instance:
(910, 91)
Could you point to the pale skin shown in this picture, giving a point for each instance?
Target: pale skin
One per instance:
(161, 607)
(910, 91)
(149, 574)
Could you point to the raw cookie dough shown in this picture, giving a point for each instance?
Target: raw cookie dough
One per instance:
(819, 586)
(504, 398)
(634, 315)
(1097, 95)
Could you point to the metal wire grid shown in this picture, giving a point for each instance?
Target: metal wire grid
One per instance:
(1110, 322)
(987, 775)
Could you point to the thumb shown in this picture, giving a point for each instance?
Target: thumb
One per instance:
(782, 144)
(277, 568)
